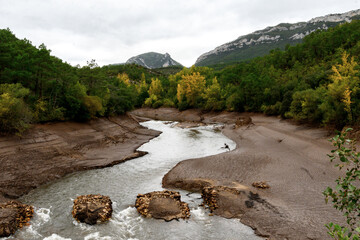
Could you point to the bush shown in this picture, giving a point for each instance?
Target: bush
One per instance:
(272, 109)
(44, 112)
(305, 105)
(93, 105)
(157, 104)
(168, 103)
(15, 116)
(346, 196)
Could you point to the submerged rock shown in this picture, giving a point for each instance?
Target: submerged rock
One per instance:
(92, 209)
(13, 216)
(165, 205)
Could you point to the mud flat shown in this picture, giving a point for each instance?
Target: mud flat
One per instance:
(50, 151)
(291, 159)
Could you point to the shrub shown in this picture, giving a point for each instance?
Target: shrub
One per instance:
(15, 116)
(346, 196)
(93, 105)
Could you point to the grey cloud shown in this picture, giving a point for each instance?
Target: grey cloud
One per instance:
(114, 31)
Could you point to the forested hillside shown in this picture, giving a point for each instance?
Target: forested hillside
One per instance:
(260, 42)
(316, 81)
(38, 87)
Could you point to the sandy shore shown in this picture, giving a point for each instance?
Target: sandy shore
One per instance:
(291, 159)
(50, 151)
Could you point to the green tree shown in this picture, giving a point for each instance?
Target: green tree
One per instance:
(305, 105)
(212, 97)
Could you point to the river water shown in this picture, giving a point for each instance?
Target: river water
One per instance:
(53, 202)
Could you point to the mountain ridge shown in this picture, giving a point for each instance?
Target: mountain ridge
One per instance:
(262, 41)
(153, 60)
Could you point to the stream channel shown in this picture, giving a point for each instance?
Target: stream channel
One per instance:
(53, 202)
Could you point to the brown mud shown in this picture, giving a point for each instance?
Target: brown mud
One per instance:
(50, 151)
(291, 159)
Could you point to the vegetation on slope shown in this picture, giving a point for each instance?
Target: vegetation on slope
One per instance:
(283, 33)
(38, 87)
(316, 81)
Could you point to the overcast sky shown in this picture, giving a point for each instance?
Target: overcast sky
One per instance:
(112, 31)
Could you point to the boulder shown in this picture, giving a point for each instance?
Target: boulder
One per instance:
(13, 216)
(243, 121)
(165, 205)
(261, 185)
(226, 201)
(92, 209)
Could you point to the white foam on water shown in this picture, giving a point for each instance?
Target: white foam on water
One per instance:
(41, 216)
(82, 226)
(128, 222)
(30, 230)
(198, 214)
(56, 237)
(96, 236)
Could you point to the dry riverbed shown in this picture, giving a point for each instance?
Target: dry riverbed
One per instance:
(50, 151)
(291, 159)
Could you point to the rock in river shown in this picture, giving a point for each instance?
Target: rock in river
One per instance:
(92, 209)
(165, 205)
(14, 215)
(225, 201)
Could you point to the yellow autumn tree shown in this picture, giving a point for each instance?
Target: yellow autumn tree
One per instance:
(345, 83)
(191, 87)
(343, 77)
(347, 101)
(123, 77)
(143, 85)
(155, 87)
(155, 92)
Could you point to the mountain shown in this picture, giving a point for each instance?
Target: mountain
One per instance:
(153, 60)
(261, 42)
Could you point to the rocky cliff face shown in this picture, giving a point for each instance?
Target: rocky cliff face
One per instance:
(153, 60)
(261, 42)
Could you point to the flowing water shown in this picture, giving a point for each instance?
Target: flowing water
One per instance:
(53, 202)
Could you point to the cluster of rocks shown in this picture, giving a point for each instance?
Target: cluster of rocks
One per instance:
(243, 121)
(92, 209)
(13, 216)
(261, 184)
(212, 195)
(230, 202)
(165, 205)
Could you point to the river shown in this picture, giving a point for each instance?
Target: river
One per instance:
(53, 202)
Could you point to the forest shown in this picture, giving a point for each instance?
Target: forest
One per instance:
(316, 81)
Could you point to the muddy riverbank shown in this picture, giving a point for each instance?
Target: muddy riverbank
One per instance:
(50, 151)
(292, 159)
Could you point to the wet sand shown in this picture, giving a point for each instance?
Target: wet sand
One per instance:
(50, 151)
(292, 159)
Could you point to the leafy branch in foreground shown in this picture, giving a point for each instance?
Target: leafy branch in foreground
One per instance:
(346, 196)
